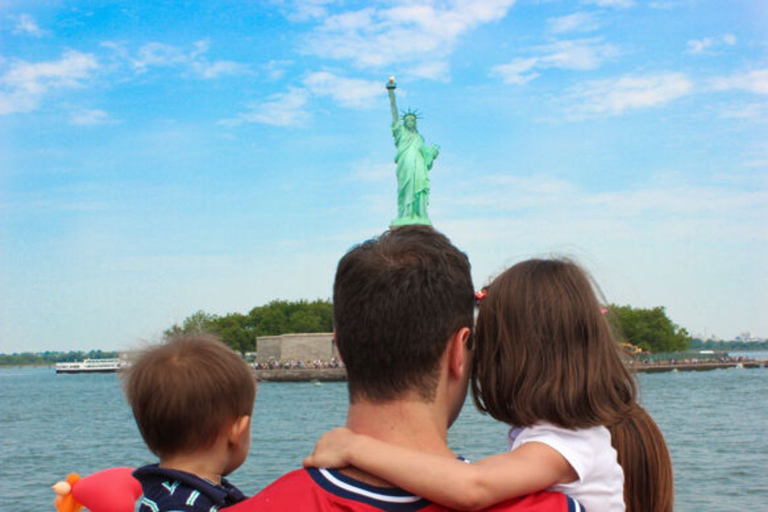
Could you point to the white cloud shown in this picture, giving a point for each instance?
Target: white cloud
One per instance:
(290, 108)
(25, 84)
(414, 32)
(347, 92)
(580, 54)
(518, 71)
(619, 4)
(709, 44)
(618, 95)
(208, 70)
(91, 118)
(663, 5)
(577, 54)
(754, 81)
(757, 111)
(576, 22)
(305, 10)
(276, 69)
(437, 70)
(26, 25)
(158, 55)
(282, 109)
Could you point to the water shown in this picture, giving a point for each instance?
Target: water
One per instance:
(53, 425)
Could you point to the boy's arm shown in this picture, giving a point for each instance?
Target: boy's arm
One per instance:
(450, 482)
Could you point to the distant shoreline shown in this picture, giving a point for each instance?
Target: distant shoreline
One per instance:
(302, 375)
(340, 374)
(698, 367)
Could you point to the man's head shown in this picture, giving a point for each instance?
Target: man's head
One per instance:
(397, 299)
(184, 392)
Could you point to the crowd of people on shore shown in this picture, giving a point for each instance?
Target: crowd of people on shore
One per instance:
(723, 359)
(299, 364)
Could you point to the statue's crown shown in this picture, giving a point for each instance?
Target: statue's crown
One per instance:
(413, 113)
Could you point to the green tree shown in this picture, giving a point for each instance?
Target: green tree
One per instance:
(197, 322)
(235, 330)
(650, 329)
(278, 317)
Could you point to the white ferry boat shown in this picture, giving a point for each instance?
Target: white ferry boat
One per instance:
(92, 366)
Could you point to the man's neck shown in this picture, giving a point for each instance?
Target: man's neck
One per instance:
(410, 423)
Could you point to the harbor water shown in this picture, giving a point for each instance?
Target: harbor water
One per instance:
(714, 422)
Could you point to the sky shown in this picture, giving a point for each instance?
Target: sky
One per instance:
(159, 159)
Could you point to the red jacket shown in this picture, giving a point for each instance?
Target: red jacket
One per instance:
(328, 490)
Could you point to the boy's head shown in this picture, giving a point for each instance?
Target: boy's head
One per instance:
(185, 392)
(396, 301)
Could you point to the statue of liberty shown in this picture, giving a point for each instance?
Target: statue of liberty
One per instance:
(414, 160)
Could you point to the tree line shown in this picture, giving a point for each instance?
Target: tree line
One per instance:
(48, 358)
(650, 329)
(240, 331)
(725, 346)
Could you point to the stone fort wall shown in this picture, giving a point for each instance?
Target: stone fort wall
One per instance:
(307, 347)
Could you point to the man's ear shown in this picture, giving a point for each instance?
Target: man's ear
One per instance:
(336, 346)
(239, 427)
(458, 353)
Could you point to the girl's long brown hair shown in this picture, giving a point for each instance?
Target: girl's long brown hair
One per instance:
(643, 455)
(544, 351)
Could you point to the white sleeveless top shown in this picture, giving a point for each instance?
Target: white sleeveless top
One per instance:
(600, 484)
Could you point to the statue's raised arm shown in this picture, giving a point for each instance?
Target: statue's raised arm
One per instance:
(391, 86)
(414, 160)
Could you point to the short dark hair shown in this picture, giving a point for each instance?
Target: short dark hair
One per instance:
(545, 352)
(184, 391)
(396, 301)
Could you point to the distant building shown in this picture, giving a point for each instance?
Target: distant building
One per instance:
(286, 347)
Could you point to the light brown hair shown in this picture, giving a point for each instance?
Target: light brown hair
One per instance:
(185, 391)
(545, 352)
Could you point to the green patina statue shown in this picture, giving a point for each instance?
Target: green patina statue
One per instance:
(414, 160)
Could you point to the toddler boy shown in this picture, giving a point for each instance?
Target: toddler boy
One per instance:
(192, 398)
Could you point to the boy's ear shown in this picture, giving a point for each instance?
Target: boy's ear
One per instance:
(239, 427)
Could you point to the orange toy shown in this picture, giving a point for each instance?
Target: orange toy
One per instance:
(111, 490)
(65, 502)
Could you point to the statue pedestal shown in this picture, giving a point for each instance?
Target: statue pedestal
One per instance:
(410, 221)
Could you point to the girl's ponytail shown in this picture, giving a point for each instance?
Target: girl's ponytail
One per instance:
(643, 455)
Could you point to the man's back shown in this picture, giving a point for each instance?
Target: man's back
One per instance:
(328, 490)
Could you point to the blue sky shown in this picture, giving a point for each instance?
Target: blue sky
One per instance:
(158, 159)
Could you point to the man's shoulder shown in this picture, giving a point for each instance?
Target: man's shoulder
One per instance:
(329, 490)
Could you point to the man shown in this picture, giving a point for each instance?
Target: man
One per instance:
(403, 313)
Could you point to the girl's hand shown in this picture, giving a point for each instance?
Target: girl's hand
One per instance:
(332, 450)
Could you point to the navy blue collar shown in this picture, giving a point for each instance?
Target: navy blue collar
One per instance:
(223, 495)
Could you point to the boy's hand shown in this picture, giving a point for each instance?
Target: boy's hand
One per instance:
(332, 450)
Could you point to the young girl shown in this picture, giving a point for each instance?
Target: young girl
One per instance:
(546, 362)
